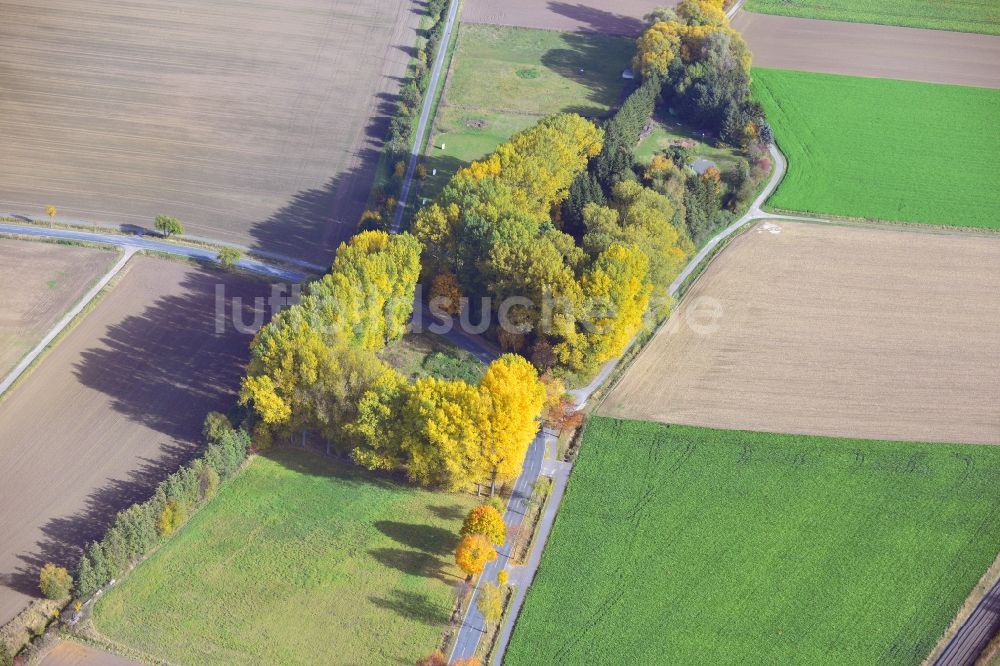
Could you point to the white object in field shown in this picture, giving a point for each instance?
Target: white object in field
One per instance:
(434, 172)
(769, 227)
(442, 145)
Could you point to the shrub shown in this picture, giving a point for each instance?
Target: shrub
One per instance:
(497, 503)
(229, 256)
(216, 425)
(173, 516)
(54, 582)
(6, 658)
(208, 482)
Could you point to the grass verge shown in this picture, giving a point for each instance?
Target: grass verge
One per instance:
(885, 149)
(419, 355)
(702, 546)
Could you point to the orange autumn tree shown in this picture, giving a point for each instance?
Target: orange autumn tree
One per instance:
(485, 520)
(446, 295)
(473, 553)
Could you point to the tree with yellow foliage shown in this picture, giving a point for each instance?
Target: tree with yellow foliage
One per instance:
(617, 291)
(473, 553)
(486, 520)
(656, 48)
(512, 400)
(441, 439)
(367, 297)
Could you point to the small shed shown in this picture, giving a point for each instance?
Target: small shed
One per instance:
(702, 165)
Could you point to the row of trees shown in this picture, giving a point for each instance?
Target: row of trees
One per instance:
(139, 528)
(571, 290)
(316, 367)
(703, 66)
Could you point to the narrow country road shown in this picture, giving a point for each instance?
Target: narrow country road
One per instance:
(472, 627)
(425, 115)
(975, 633)
(136, 243)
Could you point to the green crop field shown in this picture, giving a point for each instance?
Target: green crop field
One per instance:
(505, 79)
(878, 148)
(298, 560)
(965, 16)
(682, 545)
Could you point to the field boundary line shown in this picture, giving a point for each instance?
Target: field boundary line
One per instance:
(30, 357)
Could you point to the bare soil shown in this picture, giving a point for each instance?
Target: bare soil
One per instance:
(115, 407)
(832, 330)
(253, 122)
(618, 18)
(858, 49)
(39, 282)
(71, 653)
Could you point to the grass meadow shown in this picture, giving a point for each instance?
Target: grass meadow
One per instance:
(299, 560)
(504, 79)
(966, 16)
(885, 149)
(683, 545)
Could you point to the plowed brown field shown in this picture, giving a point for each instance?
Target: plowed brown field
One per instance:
(115, 407)
(255, 122)
(39, 282)
(829, 330)
(616, 18)
(882, 51)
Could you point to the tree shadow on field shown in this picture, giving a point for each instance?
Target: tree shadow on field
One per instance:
(168, 366)
(452, 512)
(599, 20)
(163, 369)
(582, 50)
(413, 606)
(412, 563)
(64, 538)
(427, 538)
(313, 223)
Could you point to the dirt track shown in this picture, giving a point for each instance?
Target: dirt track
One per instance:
(858, 49)
(251, 121)
(39, 282)
(71, 653)
(617, 18)
(114, 407)
(858, 332)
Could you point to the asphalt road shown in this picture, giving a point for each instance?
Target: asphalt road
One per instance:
(473, 625)
(425, 114)
(975, 633)
(145, 243)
